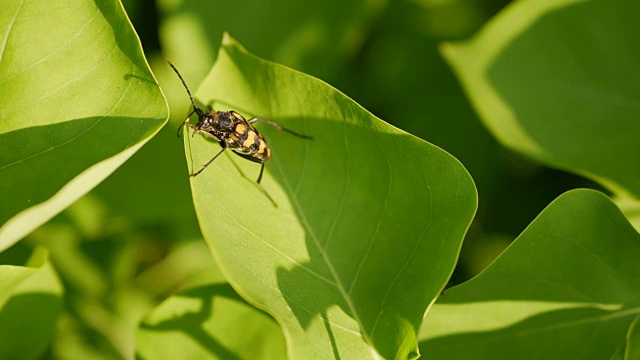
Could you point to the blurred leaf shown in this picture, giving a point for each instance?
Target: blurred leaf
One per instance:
(30, 301)
(82, 101)
(152, 188)
(567, 288)
(449, 19)
(369, 219)
(126, 270)
(557, 80)
(618, 354)
(632, 348)
(314, 37)
(210, 322)
(187, 266)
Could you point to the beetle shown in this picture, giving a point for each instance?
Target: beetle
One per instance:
(231, 130)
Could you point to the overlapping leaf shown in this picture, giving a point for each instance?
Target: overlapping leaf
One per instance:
(558, 81)
(567, 288)
(78, 99)
(369, 219)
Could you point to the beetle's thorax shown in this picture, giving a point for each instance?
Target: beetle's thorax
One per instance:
(216, 122)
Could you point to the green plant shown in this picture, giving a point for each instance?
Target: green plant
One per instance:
(370, 219)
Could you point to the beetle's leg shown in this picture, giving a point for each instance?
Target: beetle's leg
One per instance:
(279, 127)
(254, 159)
(184, 123)
(261, 162)
(210, 135)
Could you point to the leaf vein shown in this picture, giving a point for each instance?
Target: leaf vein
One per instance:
(53, 147)
(410, 258)
(278, 251)
(376, 232)
(321, 250)
(6, 39)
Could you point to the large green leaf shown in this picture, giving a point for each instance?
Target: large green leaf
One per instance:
(369, 220)
(567, 288)
(78, 100)
(30, 301)
(210, 322)
(558, 81)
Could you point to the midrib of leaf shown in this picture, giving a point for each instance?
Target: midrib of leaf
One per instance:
(300, 305)
(240, 257)
(268, 244)
(338, 283)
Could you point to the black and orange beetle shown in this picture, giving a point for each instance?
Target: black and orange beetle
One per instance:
(232, 130)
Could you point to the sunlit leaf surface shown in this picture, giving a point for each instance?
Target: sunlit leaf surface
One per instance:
(369, 219)
(77, 101)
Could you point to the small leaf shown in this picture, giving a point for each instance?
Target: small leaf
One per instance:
(369, 220)
(210, 322)
(558, 81)
(567, 288)
(30, 301)
(78, 100)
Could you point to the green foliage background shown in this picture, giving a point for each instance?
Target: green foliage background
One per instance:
(533, 98)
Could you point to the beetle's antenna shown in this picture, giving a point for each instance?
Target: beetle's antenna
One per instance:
(195, 108)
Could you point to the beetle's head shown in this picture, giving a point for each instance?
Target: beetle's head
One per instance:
(206, 121)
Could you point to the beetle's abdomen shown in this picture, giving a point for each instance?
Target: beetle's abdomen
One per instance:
(246, 139)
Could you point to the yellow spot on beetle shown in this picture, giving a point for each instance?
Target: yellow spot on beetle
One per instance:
(240, 129)
(251, 139)
(234, 137)
(263, 145)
